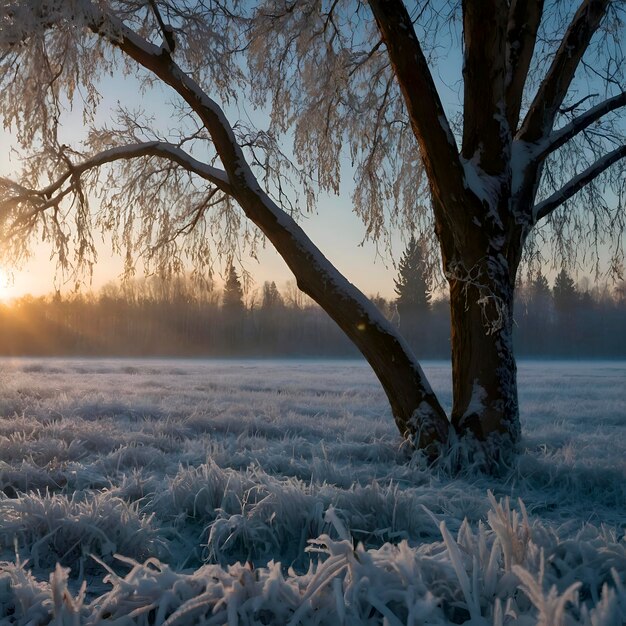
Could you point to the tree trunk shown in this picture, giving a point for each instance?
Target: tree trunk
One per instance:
(484, 372)
(415, 407)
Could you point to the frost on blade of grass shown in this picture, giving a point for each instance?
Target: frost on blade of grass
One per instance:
(23, 599)
(269, 517)
(28, 476)
(65, 608)
(237, 467)
(512, 530)
(551, 605)
(49, 528)
(462, 580)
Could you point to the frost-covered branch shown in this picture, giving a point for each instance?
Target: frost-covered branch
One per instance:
(554, 87)
(580, 123)
(151, 57)
(51, 195)
(152, 148)
(544, 208)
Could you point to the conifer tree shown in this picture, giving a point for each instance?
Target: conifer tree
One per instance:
(540, 295)
(232, 298)
(271, 296)
(564, 293)
(412, 285)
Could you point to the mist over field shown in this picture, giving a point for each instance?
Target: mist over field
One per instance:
(275, 492)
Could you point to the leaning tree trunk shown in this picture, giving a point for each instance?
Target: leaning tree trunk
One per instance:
(417, 412)
(416, 409)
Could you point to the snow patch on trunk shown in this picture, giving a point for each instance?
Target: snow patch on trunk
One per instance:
(485, 187)
(477, 401)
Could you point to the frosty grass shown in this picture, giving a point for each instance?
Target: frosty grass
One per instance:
(255, 492)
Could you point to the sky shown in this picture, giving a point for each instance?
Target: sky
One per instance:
(333, 227)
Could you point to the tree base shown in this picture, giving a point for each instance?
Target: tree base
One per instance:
(466, 454)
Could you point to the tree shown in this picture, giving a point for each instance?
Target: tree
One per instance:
(232, 297)
(271, 296)
(564, 293)
(540, 295)
(412, 286)
(494, 175)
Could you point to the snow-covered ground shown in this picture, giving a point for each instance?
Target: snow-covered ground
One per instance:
(275, 492)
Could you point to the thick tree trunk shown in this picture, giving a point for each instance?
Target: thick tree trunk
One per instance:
(483, 366)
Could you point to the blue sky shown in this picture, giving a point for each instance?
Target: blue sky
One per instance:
(333, 226)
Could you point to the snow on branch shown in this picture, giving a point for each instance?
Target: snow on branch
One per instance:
(580, 123)
(158, 149)
(208, 110)
(544, 208)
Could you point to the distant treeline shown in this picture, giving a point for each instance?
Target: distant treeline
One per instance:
(150, 317)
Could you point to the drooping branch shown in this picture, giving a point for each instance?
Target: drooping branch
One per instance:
(428, 119)
(544, 208)
(524, 20)
(553, 89)
(485, 128)
(560, 137)
(52, 195)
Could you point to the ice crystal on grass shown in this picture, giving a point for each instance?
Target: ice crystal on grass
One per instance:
(52, 528)
(222, 501)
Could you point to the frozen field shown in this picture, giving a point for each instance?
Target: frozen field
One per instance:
(277, 492)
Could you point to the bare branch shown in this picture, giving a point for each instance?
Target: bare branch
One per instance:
(428, 119)
(573, 107)
(51, 196)
(524, 19)
(563, 135)
(485, 127)
(367, 56)
(548, 205)
(152, 148)
(553, 89)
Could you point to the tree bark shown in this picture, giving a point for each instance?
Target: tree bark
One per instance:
(484, 372)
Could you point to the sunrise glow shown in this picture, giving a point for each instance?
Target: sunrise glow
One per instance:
(7, 286)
